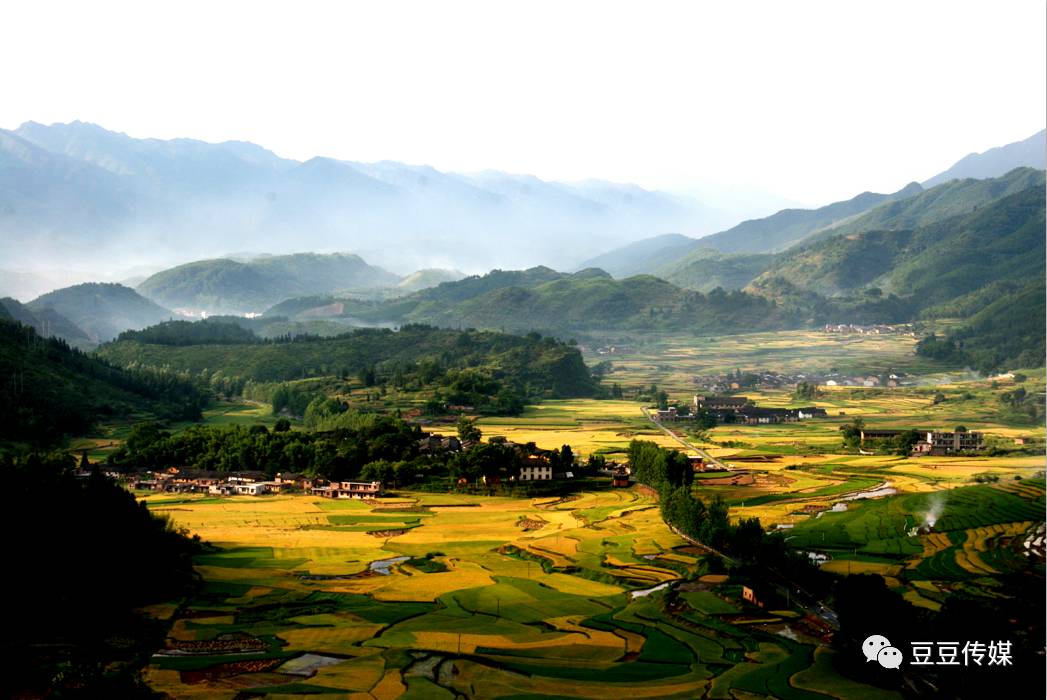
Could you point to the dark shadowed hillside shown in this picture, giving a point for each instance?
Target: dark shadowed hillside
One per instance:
(531, 366)
(50, 390)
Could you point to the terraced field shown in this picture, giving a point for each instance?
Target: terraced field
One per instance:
(450, 595)
(527, 598)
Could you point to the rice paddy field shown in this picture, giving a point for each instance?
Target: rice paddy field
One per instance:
(475, 597)
(672, 360)
(446, 595)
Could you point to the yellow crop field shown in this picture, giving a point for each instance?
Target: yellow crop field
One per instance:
(587, 425)
(489, 596)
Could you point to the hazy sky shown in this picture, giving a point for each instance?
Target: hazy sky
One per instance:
(814, 101)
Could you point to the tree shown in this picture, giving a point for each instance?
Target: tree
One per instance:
(467, 430)
(852, 432)
(663, 400)
(379, 470)
(805, 391)
(282, 426)
(903, 443)
(368, 376)
(564, 459)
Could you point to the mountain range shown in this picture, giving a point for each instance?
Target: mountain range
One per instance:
(997, 161)
(698, 263)
(947, 252)
(77, 192)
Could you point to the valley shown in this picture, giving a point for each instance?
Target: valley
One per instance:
(289, 425)
(489, 595)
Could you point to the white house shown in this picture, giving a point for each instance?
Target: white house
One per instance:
(536, 472)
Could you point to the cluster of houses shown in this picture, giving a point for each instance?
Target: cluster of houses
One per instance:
(890, 381)
(933, 442)
(251, 483)
(767, 381)
(739, 409)
(874, 329)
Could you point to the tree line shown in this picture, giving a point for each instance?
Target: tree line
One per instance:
(88, 555)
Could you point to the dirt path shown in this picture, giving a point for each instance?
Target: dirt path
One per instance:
(709, 459)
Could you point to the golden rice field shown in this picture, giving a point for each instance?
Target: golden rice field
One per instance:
(484, 597)
(287, 608)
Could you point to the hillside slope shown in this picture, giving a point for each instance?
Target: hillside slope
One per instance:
(532, 366)
(46, 322)
(101, 310)
(642, 257)
(789, 226)
(997, 161)
(561, 303)
(50, 390)
(228, 286)
(946, 200)
(933, 266)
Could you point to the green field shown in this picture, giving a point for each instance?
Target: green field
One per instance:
(537, 612)
(475, 604)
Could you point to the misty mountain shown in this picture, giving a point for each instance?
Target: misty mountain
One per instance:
(423, 279)
(79, 192)
(101, 311)
(46, 322)
(997, 161)
(231, 286)
(181, 165)
(790, 226)
(949, 199)
(981, 252)
(642, 257)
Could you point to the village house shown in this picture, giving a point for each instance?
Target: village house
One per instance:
(720, 403)
(620, 478)
(349, 489)
(294, 480)
(932, 442)
(749, 596)
(940, 442)
(536, 469)
(668, 414)
(438, 443)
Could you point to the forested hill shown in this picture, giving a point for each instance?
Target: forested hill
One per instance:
(562, 303)
(934, 264)
(101, 310)
(531, 366)
(47, 322)
(986, 266)
(789, 226)
(945, 201)
(49, 390)
(231, 286)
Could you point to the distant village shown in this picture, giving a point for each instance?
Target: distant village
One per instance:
(875, 329)
(737, 409)
(536, 465)
(761, 380)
